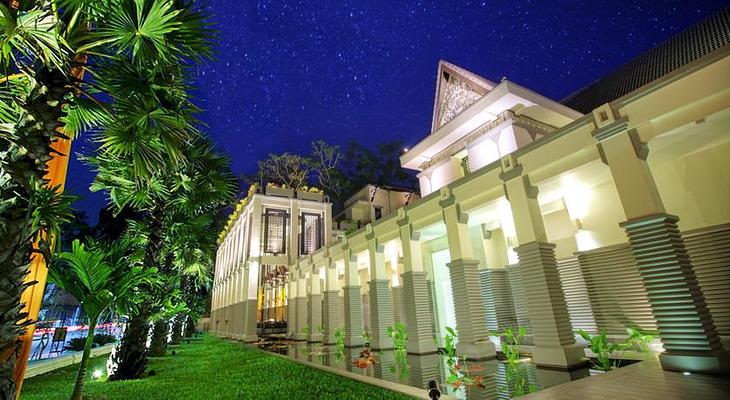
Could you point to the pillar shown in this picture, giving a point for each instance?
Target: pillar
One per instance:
(418, 312)
(381, 303)
(250, 287)
(353, 306)
(291, 308)
(331, 309)
(315, 306)
(548, 314)
(686, 328)
(302, 308)
(471, 319)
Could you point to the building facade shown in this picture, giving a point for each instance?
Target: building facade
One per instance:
(268, 232)
(605, 211)
(372, 203)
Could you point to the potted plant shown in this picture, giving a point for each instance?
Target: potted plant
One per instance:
(273, 189)
(310, 193)
(609, 355)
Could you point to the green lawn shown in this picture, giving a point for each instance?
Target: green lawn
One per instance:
(210, 369)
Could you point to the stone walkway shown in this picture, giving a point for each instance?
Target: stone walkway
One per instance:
(645, 381)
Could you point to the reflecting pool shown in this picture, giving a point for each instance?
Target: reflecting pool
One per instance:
(492, 379)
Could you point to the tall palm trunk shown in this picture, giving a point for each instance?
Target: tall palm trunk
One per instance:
(177, 329)
(81, 376)
(23, 157)
(131, 358)
(189, 327)
(160, 331)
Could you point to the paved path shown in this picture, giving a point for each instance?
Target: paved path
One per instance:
(642, 381)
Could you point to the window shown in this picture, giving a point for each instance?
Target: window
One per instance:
(275, 231)
(378, 212)
(311, 233)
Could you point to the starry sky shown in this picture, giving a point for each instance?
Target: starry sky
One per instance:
(287, 73)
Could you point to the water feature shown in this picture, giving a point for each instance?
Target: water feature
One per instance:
(495, 379)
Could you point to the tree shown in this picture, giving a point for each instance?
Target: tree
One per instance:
(379, 167)
(287, 169)
(326, 161)
(101, 276)
(154, 42)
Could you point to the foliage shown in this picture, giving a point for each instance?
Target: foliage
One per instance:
(238, 209)
(291, 170)
(76, 344)
(340, 341)
(399, 335)
(305, 330)
(511, 343)
(379, 166)
(102, 339)
(101, 277)
(518, 380)
(194, 373)
(366, 337)
(458, 372)
(607, 351)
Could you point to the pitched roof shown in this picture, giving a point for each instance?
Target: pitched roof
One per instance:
(449, 76)
(694, 42)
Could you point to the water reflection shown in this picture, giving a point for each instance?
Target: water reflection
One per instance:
(496, 379)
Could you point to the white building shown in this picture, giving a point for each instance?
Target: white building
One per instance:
(268, 232)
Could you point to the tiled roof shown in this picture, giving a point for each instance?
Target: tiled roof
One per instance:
(694, 42)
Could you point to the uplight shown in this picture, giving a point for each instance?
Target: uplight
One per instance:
(97, 374)
(685, 373)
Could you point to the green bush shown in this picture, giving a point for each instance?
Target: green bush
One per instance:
(101, 339)
(75, 344)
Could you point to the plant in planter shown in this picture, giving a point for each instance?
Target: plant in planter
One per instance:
(305, 330)
(609, 355)
(458, 371)
(399, 335)
(511, 343)
(340, 343)
(366, 338)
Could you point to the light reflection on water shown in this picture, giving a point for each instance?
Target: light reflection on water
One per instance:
(500, 380)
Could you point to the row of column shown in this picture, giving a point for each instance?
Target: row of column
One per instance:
(685, 325)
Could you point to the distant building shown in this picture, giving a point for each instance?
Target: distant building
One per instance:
(372, 203)
(269, 230)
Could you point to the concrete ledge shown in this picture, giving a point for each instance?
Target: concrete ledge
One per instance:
(74, 357)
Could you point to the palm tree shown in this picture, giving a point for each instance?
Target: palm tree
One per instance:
(100, 277)
(46, 45)
(154, 43)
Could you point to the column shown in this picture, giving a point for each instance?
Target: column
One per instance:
(686, 328)
(250, 287)
(552, 332)
(291, 308)
(471, 320)
(353, 306)
(331, 306)
(302, 309)
(418, 312)
(381, 304)
(315, 306)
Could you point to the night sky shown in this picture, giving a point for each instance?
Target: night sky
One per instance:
(288, 73)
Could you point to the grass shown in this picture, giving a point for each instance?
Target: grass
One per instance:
(210, 368)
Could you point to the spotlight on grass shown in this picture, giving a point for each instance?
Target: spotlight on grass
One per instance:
(97, 374)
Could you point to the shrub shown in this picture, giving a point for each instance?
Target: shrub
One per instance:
(75, 344)
(104, 338)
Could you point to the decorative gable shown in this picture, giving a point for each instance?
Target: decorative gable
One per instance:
(456, 90)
